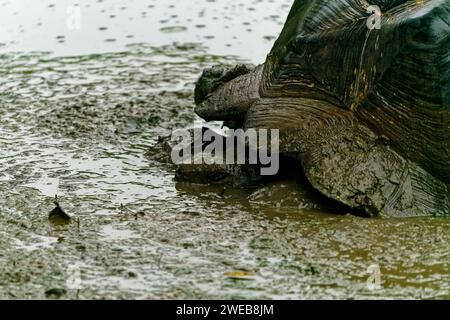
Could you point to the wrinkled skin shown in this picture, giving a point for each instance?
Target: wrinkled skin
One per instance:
(368, 121)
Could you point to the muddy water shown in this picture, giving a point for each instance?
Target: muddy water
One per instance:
(77, 122)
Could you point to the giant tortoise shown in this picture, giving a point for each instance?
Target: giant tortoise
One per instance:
(365, 110)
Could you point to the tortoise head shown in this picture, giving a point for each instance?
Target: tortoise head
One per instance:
(212, 78)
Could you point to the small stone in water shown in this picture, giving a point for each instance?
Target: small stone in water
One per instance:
(55, 292)
(222, 193)
(58, 214)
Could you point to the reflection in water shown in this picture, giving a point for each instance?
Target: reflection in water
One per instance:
(80, 126)
(70, 27)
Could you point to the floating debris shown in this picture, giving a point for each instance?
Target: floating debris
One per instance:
(222, 192)
(58, 215)
(240, 275)
(173, 29)
(55, 293)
